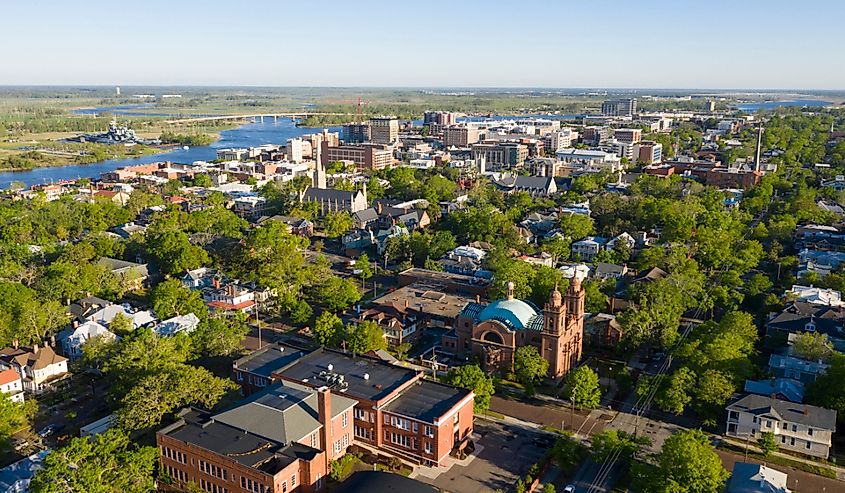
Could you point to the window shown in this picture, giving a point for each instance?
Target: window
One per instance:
(416, 427)
(314, 439)
(792, 441)
(429, 431)
(783, 439)
(284, 486)
(344, 420)
(783, 425)
(386, 419)
(794, 428)
(809, 445)
(293, 481)
(754, 420)
(428, 447)
(810, 431)
(769, 423)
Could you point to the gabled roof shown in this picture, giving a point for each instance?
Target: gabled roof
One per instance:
(330, 194)
(805, 414)
(791, 390)
(8, 376)
(366, 215)
(756, 478)
(36, 358)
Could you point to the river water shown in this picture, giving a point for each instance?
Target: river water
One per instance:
(770, 105)
(247, 135)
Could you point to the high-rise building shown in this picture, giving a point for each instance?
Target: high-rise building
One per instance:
(384, 129)
(649, 152)
(440, 117)
(500, 155)
(366, 156)
(356, 133)
(555, 141)
(710, 106)
(460, 135)
(619, 107)
(294, 150)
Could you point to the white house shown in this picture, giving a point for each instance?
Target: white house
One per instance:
(142, 318)
(816, 296)
(38, 367)
(587, 249)
(182, 323)
(11, 384)
(756, 478)
(73, 338)
(797, 427)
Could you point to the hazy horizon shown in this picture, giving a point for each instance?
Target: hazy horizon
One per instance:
(719, 45)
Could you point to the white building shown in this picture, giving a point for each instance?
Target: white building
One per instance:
(294, 150)
(590, 160)
(587, 249)
(797, 427)
(757, 478)
(73, 338)
(182, 323)
(816, 296)
(37, 366)
(11, 384)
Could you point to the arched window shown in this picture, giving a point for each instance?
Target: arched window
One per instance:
(492, 337)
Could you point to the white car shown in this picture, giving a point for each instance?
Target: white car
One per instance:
(570, 488)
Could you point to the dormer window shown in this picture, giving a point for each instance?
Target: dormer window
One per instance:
(810, 327)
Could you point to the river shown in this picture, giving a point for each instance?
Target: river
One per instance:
(247, 135)
(770, 105)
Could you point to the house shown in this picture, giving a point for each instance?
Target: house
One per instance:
(230, 298)
(604, 271)
(127, 230)
(250, 207)
(116, 197)
(623, 238)
(819, 262)
(73, 338)
(39, 367)
(587, 248)
(200, 278)
(296, 225)
(364, 218)
(799, 316)
(798, 428)
(385, 234)
(11, 384)
(140, 318)
(539, 223)
(783, 388)
(131, 274)
(796, 368)
(817, 296)
(756, 478)
(15, 478)
(282, 439)
(181, 323)
(85, 307)
(602, 329)
(465, 260)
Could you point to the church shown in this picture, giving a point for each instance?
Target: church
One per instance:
(494, 331)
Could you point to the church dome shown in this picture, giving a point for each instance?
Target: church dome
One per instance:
(514, 313)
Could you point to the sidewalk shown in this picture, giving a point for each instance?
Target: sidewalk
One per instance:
(840, 471)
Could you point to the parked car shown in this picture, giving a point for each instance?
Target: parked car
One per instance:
(570, 488)
(50, 430)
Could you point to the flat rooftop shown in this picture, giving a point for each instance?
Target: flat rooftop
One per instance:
(366, 377)
(427, 400)
(269, 359)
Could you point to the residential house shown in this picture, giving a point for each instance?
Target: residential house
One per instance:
(604, 271)
(587, 248)
(200, 278)
(385, 234)
(230, 298)
(465, 260)
(364, 218)
(131, 274)
(818, 262)
(140, 318)
(181, 323)
(796, 368)
(800, 316)
(11, 384)
(797, 427)
(817, 296)
(15, 478)
(39, 367)
(756, 478)
(602, 329)
(624, 238)
(127, 230)
(785, 389)
(85, 307)
(73, 338)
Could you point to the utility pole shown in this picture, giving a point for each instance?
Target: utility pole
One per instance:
(258, 323)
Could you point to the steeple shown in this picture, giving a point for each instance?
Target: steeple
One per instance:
(510, 290)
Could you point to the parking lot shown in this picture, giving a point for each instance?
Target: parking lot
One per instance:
(506, 453)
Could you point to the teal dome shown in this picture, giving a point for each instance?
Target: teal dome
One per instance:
(515, 313)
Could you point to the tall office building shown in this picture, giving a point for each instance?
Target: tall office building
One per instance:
(619, 107)
(356, 133)
(384, 129)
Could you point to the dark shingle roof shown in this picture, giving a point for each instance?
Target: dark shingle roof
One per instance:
(805, 414)
(427, 400)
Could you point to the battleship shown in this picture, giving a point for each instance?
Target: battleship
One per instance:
(114, 135)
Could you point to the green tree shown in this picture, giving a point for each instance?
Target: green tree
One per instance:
(106, 463)
(220, 335)
(328, 328)
(674, 395)
(203, 180)
(713, 390)
(595, 301)
(812, 346)
(577, 226)
(828, 390)
(363, 264)
(337, 293)
(175, 253)
(170, 298)
(121, 324)
(301, 312)
(528, 365)
(767, 443)
(687, 463)
(364, 337)
(583, 389)
(14, 417)
(608, 442)
(337, 224)
(472, 377)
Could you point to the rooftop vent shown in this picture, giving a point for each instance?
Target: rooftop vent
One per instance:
(366, 376)
(331, 367)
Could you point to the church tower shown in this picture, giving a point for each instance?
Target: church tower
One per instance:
(563, 329)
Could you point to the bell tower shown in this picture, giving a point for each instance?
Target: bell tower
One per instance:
(575, 296)
(551, 338)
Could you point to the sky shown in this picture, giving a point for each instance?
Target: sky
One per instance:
(688, 44)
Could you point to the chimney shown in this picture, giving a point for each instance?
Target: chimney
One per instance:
(15, 343)
(324, 415)
(35, 349)
(216, 282)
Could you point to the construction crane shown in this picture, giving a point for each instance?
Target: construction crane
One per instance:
(359, 111)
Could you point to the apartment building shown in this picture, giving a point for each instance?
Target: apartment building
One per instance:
(500, 155)
(384, 129)
(371, 157)
(559, 139)
(279, 440)
(649, 152)
(461, 135)
(396, 411)
(628, 135)
(797, 427)
(356, 133)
